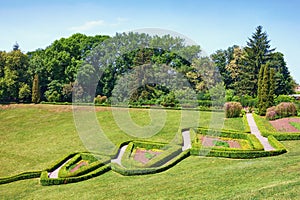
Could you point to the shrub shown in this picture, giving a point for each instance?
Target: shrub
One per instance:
(286, 109)
(232, 109)
(271, 113)
(100, 99)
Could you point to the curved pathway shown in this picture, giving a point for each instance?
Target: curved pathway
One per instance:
(54, 174)
(254, 130)
(118, 160)
(187, 144)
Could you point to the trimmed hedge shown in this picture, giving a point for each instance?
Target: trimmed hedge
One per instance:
(245, 122)
(21, 176)
(231, 153)
(276, 144)
(45, 180)
(169, 152)
(61, 161)
(267, 129)
(255, 143)
(257, 151)
(222, 133)
(140, 171)
(64, 172)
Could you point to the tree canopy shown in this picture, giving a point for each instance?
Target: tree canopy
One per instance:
(51, 74)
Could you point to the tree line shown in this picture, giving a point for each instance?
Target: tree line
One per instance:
(255, 71)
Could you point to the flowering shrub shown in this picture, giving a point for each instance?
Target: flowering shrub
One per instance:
(284, 109)
(232, 109)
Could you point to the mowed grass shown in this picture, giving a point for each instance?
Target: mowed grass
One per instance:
(33, 136)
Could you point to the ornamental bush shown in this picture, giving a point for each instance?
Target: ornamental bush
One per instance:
(284, 109)
(232, 109)
(100, 99)
(271, 113)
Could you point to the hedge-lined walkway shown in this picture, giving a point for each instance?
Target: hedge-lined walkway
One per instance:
(54, 174)
(119, 157)
(254, 130)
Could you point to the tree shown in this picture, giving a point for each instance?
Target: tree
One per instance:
(266, 89)
(258, 52)
(259, 90)
(271, 88)
(14, 74)
(222, 58)
(35, 89)
(24, 93)
(283, 80)
(16, 47)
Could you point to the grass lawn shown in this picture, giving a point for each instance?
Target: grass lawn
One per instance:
(33, 136)
(296, 125)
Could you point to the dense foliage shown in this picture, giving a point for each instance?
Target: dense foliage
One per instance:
(50, 74)
(240, 66)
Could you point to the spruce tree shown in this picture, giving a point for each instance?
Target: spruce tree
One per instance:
(35, 90)
(258, 52)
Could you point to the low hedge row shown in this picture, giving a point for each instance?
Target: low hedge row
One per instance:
(45, 180)
(169, 152)
(258, 151)
(95, 163)
(148, 145)
(230, 153)
(59, 162)
(281, 136)
(254, 142)
(246, 125)
(276, 144)
(267, 129)
(165, 157)
(139, 171)
(222, 133)
(21, 176)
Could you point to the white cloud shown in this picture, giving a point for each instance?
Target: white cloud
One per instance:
(88, 25)
(99, 23)
(121, 19)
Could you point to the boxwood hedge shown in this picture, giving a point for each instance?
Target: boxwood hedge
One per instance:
(267, 129)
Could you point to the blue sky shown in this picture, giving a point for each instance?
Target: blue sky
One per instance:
(211, 24)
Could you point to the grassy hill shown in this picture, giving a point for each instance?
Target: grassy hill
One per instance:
(33, 136)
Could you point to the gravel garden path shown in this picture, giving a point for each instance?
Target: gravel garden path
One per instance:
(119, 157)
(254, 130)
(54, 174)
(186, 140)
